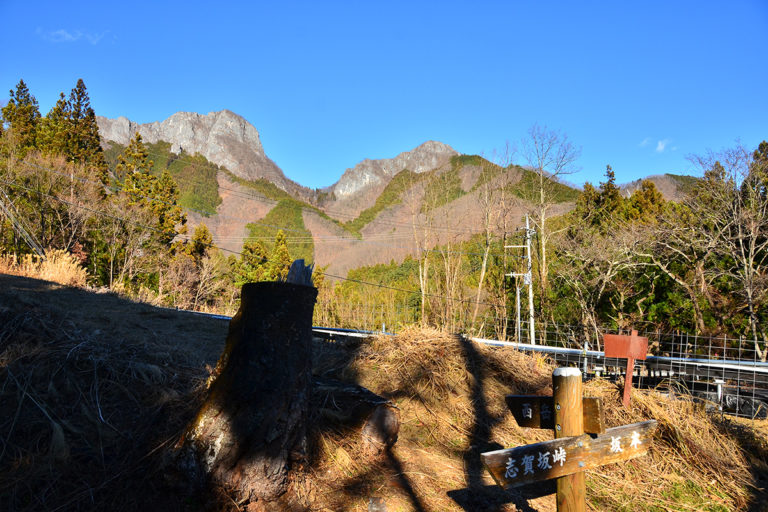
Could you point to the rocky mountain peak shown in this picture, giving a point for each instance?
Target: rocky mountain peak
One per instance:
(222, 137)
(426, 157)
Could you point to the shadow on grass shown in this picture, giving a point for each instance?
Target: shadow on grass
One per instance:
(756, 448)
(477, 495)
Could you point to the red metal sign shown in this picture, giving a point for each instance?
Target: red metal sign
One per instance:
(626, 347)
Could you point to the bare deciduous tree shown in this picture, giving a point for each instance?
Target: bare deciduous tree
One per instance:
(550, 156)
(733, 211)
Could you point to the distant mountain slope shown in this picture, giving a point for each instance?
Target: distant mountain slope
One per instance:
(368, 216)
(360, 186)
(194, 174)
(443, 205)
(223, 137)
(425, 157)
(672, 186)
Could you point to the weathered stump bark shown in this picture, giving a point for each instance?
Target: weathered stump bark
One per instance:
(352, 406)
(252, 426)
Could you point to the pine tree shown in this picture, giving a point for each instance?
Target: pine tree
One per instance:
(280, 259)
(252, 266)
(201, 242)
(134, 168)
(645, 204)
(158, 195)
(53, 131)
(84, 143)
(21, 116)
(165, 195)
(610, 195)
(588, 205)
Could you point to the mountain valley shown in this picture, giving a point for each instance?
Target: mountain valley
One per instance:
(378, 211)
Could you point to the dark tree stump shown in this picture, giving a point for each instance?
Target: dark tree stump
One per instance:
(253, 424)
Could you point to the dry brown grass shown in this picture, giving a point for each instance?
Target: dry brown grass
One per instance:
(451, 396)
(58, 266)
(95, 389)
(92, 392)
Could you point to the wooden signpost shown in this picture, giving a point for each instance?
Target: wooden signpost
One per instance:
(572, 451)
(539, 412)
(626, 347)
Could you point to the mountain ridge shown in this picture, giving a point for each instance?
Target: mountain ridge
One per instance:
(347, 221)
(223, 137)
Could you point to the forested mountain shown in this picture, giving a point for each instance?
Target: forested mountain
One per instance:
(418, 238)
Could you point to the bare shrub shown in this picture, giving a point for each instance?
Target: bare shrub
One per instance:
(58, 266)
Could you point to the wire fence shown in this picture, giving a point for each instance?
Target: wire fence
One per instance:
(726, 373)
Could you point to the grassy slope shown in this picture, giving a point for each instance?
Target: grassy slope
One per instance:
(528, 188)
(390, 196)
(194, 175)
(686, 184)
(287, 214)
(271, 191)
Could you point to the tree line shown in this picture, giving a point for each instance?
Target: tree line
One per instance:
(123, 224)
(695, 263)
(602, 258)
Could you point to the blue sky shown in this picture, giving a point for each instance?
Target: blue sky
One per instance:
(639, 86)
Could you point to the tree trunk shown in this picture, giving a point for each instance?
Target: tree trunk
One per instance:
(253, 424)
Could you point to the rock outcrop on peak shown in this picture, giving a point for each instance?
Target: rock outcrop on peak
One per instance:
(223, 137)
(369, 173)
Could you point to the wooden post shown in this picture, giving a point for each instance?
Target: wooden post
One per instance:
(569, 422)
(572, 452)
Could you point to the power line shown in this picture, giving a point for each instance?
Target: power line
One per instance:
(18, 224)
(265, 199)
(293, 239)
(131, 221)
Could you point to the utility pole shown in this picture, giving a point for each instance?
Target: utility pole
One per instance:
(518, 325)
(527, 280)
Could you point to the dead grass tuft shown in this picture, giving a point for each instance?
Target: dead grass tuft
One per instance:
(58, 266)
(91, 401)
(451, 395)
(697, 459)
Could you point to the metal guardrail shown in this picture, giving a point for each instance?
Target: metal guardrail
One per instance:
(706, 377)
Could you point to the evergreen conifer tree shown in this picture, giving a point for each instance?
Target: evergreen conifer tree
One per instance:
(280, 259)
(134, 168)
(158, 195)
(201, 242)
(84, 143)
(645, 204)
(53, 132)
(610, 195)
(21, 116)
(252, 266)
(165, 206)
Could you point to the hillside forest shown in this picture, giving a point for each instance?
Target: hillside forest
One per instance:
(114, 217)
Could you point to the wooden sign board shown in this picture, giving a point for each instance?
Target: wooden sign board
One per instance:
(539, 412)
(568, 455)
